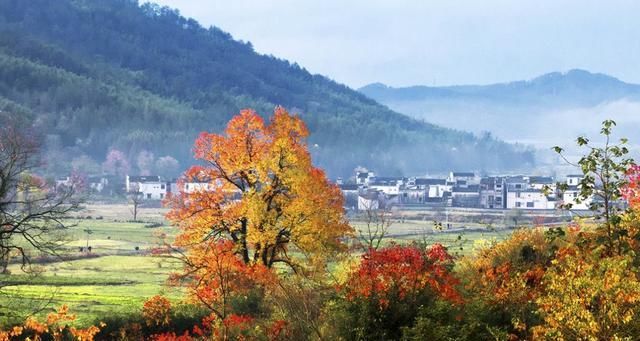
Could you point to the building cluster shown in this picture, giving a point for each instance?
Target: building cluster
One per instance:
(369, 191)
(461, 189)
(147, 187)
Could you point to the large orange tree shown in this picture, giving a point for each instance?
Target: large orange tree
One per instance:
(263, 194)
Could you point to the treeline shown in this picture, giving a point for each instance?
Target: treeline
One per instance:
(97, 75)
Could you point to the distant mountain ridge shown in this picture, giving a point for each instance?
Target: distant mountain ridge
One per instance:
(575, 87)
(548, 110)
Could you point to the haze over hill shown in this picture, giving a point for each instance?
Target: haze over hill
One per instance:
(551, 109)
(96, 75)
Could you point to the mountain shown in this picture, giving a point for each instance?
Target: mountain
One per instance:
(550, 109)
(573, 88)
(95, 75)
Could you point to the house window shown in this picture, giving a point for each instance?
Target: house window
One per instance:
(161, 195)
(518, 204)
(162, 186)
(518, 186)
(517, 194)
(530, 204)
(148, 195)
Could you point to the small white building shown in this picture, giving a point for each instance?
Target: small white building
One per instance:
(463, 178)
(435, 188)
(368, 201)
(150, 187)
(363, 177)
(386, 187)
(574, 180)
(572, 194)
(529, 199)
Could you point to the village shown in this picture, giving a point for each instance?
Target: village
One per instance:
(368, 191)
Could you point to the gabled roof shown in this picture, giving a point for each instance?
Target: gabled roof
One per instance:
(387, 178)
(545, 180)
(144, 178)
(515, 179)
(468, 189)
(427, 181)
(384, 183)
(348, 187)
(464, 174)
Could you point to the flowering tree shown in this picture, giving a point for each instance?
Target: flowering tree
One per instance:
(116, 163)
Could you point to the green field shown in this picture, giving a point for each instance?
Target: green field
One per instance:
(116, 278)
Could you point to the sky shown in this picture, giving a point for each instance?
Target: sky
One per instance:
(434, 42)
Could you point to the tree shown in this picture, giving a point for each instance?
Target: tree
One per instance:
(604, 168)
(385, 292)
(145, 162)
(135, 199)
(377, 223)
(116, 163)
(266, 205)
(588, 297)
(266, 196)
(167, 166)
(31, 211)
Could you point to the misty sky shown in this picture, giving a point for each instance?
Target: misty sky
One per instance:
(434, 42)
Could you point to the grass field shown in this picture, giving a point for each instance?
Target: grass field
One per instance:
(115, 279)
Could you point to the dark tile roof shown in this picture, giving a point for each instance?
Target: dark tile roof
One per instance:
(547, 180)
(348, 187)
(383, 183)
(468, 189)
(427, 181)
(144, 178)
(464, 174)
(515, 179)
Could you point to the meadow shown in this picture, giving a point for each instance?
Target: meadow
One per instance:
(120, 272)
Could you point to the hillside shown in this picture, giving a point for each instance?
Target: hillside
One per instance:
(96, 75)
(525, 111)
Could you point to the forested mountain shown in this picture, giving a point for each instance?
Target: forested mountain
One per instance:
(528, 111)
(95, 75)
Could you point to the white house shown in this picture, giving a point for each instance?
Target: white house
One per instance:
(463, 178)
(435, 187)
(574, 180)
(363, 176)
(387, 187)
(530, 199)
(150, 187)
(572, 194)
(368, 201)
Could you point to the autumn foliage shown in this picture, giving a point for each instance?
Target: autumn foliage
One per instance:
(54, 327)
(265, 196)
(156, 311)
(401, 272)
